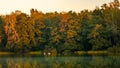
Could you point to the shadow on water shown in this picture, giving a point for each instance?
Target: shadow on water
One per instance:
(29, 61)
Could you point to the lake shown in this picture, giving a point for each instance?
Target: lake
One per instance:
(59, 62)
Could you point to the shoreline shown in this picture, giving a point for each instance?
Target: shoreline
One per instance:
(77, 52)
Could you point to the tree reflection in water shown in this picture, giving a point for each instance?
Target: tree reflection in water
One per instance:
(60, 62)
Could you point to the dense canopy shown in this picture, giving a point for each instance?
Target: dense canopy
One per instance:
(98, 29)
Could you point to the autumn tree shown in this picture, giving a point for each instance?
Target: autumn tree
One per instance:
(12, 35)
(25, 28)
(64, 32)
(37, 18)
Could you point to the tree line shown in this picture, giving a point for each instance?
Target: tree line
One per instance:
(98, 29)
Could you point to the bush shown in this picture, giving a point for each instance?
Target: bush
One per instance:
(67, 52)
(54, 52)
(114, 49)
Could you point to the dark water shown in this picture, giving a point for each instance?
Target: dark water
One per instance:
(60, 62)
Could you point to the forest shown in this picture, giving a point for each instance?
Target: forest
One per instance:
(97, 29)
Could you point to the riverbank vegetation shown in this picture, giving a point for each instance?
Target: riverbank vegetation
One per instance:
(63, 32)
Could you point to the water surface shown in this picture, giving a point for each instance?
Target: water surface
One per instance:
(59, 62)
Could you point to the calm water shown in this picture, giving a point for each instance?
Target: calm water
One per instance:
(60, 62)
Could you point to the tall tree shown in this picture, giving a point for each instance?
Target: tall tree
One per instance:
(25, 28)
(12, 35)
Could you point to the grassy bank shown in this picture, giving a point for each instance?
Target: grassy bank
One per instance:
(91, 52)
(35, 52)
(77, 52)
(6, 53)
(31, 53)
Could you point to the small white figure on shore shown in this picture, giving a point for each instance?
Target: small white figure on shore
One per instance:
(49, 53)
(44, 53)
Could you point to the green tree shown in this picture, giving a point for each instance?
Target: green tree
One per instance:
(3, 39)
(85, 20)
(25, 28)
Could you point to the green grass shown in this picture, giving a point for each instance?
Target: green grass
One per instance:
(97, 52)
(91, 52)
(32, 53)
(81, 52)
(6, 53)
(35, 52)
